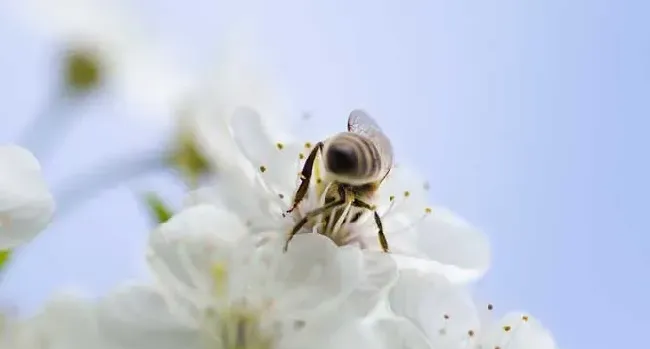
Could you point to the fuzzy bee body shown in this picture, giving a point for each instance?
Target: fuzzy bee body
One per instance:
(355, 164)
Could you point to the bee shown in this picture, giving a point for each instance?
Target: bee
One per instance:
(356, 162)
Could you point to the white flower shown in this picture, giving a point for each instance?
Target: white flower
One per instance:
(221, 286)
(430, 238)
(66, 321)
(140, 69)
(240, 76)
(26, 204)
(447, 316)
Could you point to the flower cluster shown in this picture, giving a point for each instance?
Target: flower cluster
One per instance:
(221, 277)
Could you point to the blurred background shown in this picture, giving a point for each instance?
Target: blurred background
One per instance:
(530, 119)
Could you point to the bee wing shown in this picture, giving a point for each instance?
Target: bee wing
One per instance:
(361, 123)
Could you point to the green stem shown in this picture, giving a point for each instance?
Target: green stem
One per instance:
(81, 187)
(49, 126)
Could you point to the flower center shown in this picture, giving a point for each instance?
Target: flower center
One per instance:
(235, 324)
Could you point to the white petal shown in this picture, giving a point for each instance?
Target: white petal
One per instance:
(136, 316)
(399, 333)
(26, 204)
(315, 274)
(353, 336)
(410, 198)
(331, 332)
(243, 196)
(443, 243)
(443, 311)
(447, 239)
(251, 137)
(379, 272)
(440, 241)
(184, 248)
(281, 160)
(517, 331)
(66, 321)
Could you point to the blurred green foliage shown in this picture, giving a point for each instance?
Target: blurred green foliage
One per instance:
(5, 256)
(158, 208)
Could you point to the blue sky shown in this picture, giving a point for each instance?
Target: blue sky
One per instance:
(528, 118)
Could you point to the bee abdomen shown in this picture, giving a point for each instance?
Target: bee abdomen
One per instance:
(354, 155)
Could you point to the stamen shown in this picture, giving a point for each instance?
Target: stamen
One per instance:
(338, 232)
(262, 168)
(443, 330)
(307, 145)
(220, 279)
(279, 145)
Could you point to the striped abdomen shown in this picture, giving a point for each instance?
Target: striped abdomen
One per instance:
(353, 156)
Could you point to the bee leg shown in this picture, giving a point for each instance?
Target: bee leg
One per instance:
(311, 215)
(305, 176)
(382, 237)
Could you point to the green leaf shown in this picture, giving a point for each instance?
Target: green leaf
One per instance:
(5, 257)
(158, 208)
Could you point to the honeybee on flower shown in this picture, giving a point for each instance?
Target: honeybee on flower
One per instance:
(356, 163)
(262, 190)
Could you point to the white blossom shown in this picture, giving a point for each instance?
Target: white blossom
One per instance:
(219, 286)
(446, 315)
(431, 238)
(238, 77)
(66, 321)
(26, 204)
(141, 69)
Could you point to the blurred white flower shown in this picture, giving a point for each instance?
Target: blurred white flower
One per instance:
(26, 204)
(430, 238)
(66, 321)
(240, 76)
(140, 69)
(446, 315)
(221, 287)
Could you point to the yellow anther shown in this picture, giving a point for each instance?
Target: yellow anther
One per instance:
(428, 210)
(307, 145)
(507, 328)
(407, 194)
(262, 169)
(391, 198)
(279, 145)
(220, 278)
(301, 156)
(525, 318)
